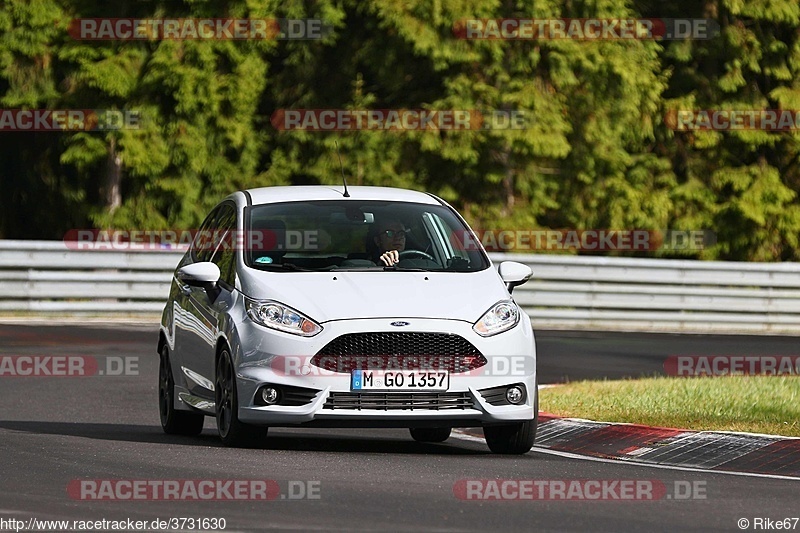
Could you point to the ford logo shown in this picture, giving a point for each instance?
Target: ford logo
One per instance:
(399, 324)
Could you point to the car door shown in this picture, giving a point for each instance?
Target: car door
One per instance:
(199, 308)
(215, 309)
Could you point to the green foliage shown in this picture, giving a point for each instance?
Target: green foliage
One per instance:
(596, 151)
(740, 184)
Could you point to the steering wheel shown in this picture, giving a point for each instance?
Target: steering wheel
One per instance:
(408, 253)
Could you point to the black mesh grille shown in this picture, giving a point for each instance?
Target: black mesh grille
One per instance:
(399, 351)
(393, 401)
(406, 343)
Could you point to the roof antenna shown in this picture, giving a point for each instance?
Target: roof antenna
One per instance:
(346, 194)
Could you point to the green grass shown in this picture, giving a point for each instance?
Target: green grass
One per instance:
(756, 404)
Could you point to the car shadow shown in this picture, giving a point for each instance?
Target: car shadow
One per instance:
(279, 439)
(115, 432)
(378, 444)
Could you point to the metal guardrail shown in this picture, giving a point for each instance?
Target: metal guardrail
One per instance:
(579, 292)
(50, 277)
(661, 295)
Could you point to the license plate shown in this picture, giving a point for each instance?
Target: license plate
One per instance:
(400, 380)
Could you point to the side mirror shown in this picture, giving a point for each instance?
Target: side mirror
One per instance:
(204, 275)
(514, 274)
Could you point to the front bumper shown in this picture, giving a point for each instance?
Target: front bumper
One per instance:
(481, 413)
(281, 359)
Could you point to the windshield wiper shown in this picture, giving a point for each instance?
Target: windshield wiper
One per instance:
(393, 268)
(283, 266)
(357, 269)
(407, 269)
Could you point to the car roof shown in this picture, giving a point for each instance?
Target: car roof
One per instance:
(268, 195)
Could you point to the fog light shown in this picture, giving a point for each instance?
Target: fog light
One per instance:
(270, 395)
(514, 395)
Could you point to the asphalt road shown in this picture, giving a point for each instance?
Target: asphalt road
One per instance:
(570, 356)
(55, 430)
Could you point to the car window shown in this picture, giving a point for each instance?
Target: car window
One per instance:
(224, 251)
(344, 234)
(201, 245)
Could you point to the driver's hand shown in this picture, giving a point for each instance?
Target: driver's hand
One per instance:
(390, 258)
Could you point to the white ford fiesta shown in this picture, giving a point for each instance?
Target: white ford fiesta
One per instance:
(326, 307)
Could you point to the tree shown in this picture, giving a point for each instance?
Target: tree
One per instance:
(741, 184)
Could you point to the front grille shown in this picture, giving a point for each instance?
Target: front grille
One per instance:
(399, 351)
(399, 343)
(393, 401)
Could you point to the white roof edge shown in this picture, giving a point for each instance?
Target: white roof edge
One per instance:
(266, 195)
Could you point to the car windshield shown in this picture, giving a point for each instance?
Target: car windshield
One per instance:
(350, 235)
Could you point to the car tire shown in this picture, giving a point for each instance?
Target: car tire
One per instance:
(231, 430)
(173, 421)
(430, 434)
(514, 439)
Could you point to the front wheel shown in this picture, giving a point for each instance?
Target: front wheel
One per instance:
(232, 431)
(430, 434)
(511, 438)
(516, 438)
(173, 421)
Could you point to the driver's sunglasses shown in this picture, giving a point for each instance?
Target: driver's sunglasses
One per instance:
(392, 233)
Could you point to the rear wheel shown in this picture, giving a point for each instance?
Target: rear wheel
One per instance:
(430, 434)
(173, 421)
(232, 431)
(514, 438)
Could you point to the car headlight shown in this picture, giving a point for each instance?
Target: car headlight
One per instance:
(283, 318)
(502, 316)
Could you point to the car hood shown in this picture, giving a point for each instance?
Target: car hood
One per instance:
(326, 296)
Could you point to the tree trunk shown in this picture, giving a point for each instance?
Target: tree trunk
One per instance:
(508, 181)
(113, 178)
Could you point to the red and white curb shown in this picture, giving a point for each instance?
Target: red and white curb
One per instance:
(712, 451)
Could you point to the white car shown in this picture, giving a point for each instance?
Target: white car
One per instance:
(282, 313)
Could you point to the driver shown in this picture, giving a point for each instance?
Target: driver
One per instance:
(390, 241)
